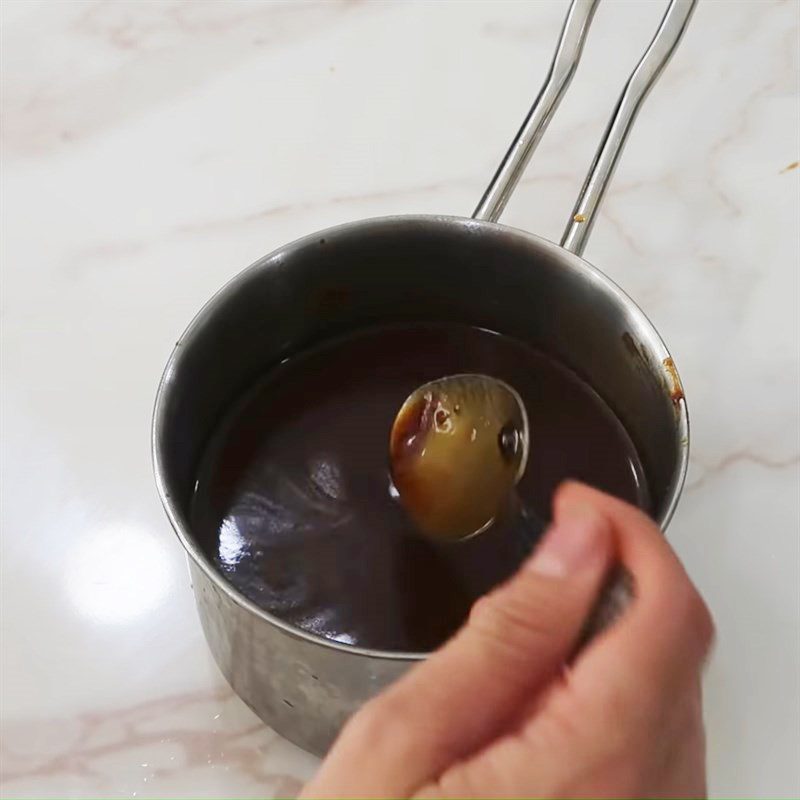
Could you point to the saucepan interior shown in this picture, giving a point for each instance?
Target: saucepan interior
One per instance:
(417, 269)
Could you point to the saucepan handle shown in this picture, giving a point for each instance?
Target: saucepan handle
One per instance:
(562, 69)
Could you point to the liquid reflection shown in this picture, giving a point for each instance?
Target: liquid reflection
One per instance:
(326, 477)
(117, 574)
(231, 543)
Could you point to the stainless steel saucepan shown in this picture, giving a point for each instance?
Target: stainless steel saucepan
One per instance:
(413, 269)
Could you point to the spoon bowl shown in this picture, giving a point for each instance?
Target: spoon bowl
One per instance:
(457, 449)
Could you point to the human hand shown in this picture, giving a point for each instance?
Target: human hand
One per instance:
(496, 713)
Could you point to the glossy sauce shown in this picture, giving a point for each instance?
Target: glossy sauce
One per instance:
(295, 505)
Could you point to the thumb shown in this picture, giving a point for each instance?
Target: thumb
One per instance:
(515, 641)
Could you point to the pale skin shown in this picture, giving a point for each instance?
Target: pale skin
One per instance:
(506, 708)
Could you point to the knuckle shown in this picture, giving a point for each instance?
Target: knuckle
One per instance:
(459, 782)
(368, 726)
(694, 616)
(479, 611)
(388, 725)
(516, 621)
(704, 622)
(555, 731)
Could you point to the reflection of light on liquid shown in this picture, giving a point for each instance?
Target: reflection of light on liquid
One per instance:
(637, 480)
(117, 573)
(231, 543)
(327, 477)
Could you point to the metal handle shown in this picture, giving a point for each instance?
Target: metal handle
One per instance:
(637, 88)
(562, 69)
(565, 62)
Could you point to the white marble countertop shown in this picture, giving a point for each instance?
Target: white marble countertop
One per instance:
(153, 149)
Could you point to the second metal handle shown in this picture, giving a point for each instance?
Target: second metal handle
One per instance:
(562, 69)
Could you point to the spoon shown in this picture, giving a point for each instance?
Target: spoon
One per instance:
(458, 447)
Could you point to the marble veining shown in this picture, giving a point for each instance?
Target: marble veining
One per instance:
(151, 150)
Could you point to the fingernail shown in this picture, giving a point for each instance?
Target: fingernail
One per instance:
(577, 541)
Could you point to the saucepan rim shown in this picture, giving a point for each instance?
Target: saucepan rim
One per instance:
(645, 331)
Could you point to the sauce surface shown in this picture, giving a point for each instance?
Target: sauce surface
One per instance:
(295, 506)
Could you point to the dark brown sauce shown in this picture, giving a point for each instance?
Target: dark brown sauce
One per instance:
(294, 502)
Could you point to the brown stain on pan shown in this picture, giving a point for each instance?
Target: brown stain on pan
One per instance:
(673, 382)
(631, 346)
(671, 379)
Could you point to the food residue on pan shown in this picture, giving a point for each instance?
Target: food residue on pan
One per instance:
(675, 386)
(580, 218)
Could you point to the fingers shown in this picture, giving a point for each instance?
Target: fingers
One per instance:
(515, 641)
(627, 713)
(667, 627)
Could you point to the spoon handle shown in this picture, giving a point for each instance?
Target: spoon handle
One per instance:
(617, 590)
